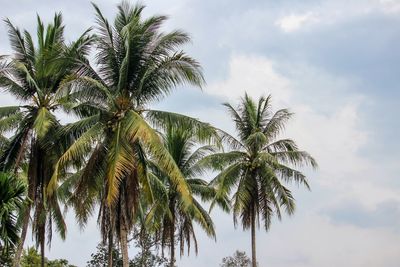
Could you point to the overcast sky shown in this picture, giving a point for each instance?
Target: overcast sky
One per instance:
(336, 64)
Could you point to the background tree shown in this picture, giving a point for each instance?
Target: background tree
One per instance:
(100, 258)
(239, 259)
(6, 259)
(12, 200)
(31, 257)
(258, 165)
(145, 257)
(147, 245)
(32, 74)
(59, 263)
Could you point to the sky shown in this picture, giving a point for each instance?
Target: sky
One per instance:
(336, 65)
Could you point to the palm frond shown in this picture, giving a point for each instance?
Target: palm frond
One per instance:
(138, 129)
(77, 150)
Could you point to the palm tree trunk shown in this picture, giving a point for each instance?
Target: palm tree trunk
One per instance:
(124, 246)
(25, 224)
(143, 247)
(172, 232)
(172, 237)
(253, 240)
(110, 248)
(42, 249)
(31, 193)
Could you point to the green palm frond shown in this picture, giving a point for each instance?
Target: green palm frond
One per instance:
(17, 42)
(9, 110)
(43, 122)
(81, 147)
(119, 164)
(277, 123)
(138, 129)
(11, 122)
(15, 149)
(204, 219)
(219, 161)
(12, 194)
(203, 132)
(228, 178)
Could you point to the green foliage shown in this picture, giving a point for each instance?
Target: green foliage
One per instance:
(100, 258)
(32, 258)
(6, 259)
(239, 259)
(12, 195)
(145, 243)
(59, 263)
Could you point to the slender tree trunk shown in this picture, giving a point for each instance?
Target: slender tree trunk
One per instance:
(42, 249)
(25, 224)
(172, 237)
(31, 193)
(124, 246)
(110, 248)
(172, 232)
(142, 241)
(172, 252)
(253, 240)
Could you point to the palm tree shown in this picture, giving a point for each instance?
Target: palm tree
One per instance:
(258, 165)
(168, 214)
(12, 199)
(32, 74)
(137, 65)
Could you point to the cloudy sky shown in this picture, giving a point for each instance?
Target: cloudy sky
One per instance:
(336, 64)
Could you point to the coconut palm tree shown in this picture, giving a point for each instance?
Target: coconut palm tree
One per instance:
(258, 166)
(32, 74)
(12, 199)
(168, 214)
(137, 64)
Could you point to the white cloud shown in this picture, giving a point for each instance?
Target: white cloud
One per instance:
(330, 128)
(313, 241)
(253, 75)
(294, 22)
(333, 12)
(390, 6)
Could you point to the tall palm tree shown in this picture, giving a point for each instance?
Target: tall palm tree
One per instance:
(137, 65)
(32, 74)
(12, 199)
(168, 214)
(258, 165)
